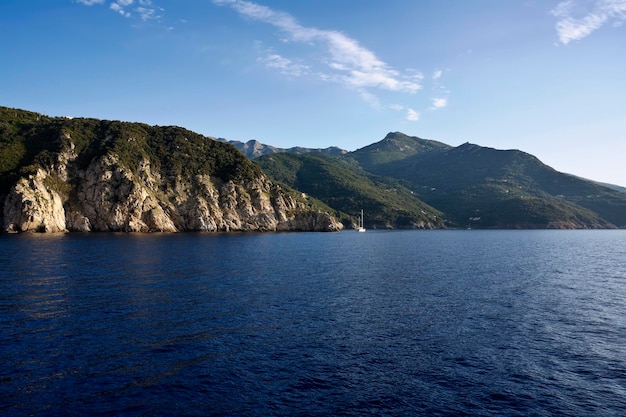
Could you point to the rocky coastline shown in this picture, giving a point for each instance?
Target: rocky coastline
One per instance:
(109, 196)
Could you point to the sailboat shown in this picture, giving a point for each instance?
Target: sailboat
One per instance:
(361, 226)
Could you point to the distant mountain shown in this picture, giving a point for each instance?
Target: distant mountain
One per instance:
(88, 174)
(254, 149)
(607, 185)
(395, 146)
(470, 185)
(505, 188)
(347, 188)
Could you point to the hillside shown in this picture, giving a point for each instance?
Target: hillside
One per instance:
(61, 174)
(396, 146)
(347, 188)
(467, 186)
(484, 187)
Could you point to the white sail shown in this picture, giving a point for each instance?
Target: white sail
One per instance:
(361, 227)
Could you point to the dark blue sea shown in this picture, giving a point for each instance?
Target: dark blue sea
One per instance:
(382, 323)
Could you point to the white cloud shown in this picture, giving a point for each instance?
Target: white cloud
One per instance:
(147, 13)
(90, 2)
(346, 62)
(577, 19)
(439, 103)
(284, 65)
(370, 99)
(144, 8)
(116, 7)
(412, 115)
(437, 74)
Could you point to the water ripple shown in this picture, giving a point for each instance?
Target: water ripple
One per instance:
(448, 323)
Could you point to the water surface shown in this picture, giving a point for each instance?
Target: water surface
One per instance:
(396, 323)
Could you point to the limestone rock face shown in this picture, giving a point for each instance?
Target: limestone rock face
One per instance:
(109, 196)
(33, 206)
(313, 221)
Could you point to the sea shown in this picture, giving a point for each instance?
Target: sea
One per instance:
(382, 323)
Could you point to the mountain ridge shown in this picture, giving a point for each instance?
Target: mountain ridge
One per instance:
(254, 149)
(60, 173)
(510, 179)
(482, 187)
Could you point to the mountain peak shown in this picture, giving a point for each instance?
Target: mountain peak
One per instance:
(395, 135)
(394, 147)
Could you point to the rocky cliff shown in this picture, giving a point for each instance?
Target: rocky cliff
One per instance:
(136, 183)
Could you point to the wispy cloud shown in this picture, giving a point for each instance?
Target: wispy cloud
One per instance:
(412, 115)
(144, 9)
(345, 60)
(577, 19)
(439, 103)
(119, 8)
(440, 100)
(373, 100)
(90, 2)
(284, 65)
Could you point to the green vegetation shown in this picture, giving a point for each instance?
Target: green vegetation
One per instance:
(23, 138)
(394, 147)
(489, 188)
(401, 178)
(29, 140)
(400, 182)
(348, 189)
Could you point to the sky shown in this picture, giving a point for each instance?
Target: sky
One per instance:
(547, 77)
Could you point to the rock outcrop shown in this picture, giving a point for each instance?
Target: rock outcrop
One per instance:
(33, 206)
(108, 195)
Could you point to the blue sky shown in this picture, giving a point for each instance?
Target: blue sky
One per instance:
(545, 76)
